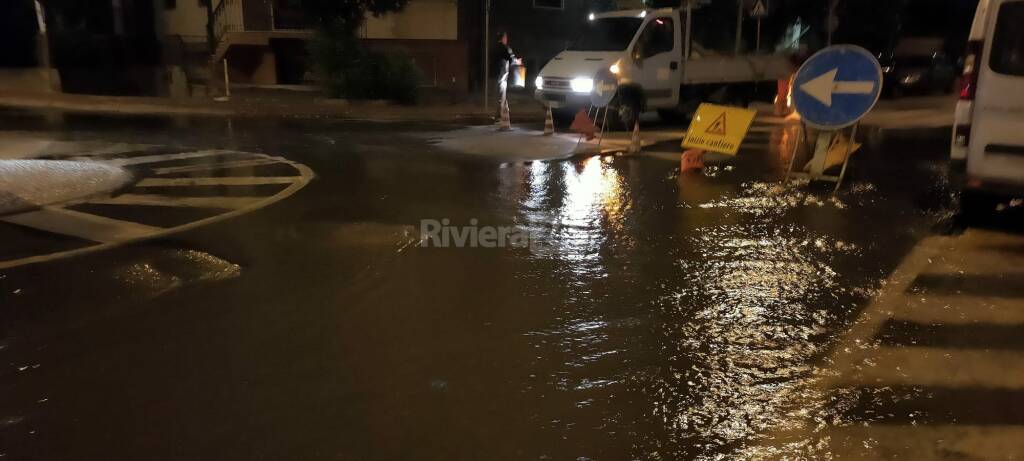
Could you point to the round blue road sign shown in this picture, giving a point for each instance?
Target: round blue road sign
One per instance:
(837, 87)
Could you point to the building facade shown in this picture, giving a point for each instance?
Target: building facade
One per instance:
(265, 41)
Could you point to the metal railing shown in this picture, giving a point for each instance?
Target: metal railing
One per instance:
(227, 17)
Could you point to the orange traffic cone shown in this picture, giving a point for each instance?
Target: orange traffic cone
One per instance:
(583, 125)
(634, 143)
(549, 124)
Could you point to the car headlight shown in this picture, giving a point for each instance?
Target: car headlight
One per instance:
(582, 85)
(615, 69)
(539, 83)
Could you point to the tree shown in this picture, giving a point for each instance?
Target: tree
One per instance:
(348, 15)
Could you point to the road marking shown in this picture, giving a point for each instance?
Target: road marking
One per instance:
(219, 181)
(216, 166)
(823, 87)
(82, 225)
(140, 160)
(956, 310)
(925, 443)
(226, 203)
(933, 366)
(304, 174)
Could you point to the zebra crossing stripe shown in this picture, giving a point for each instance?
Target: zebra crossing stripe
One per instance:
(141, 160)
(218, 181)
(81, 225)
(109, 233)
(936, 366)
(225, 203)
(924, 443)
(956, 310)
(217, 166)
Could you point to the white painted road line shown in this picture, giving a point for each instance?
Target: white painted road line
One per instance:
(962, 310)
(225, 203)
(259, 161)
(925, 443)
(82, 225)
(140, 160)
(941, 367)
(220, 181)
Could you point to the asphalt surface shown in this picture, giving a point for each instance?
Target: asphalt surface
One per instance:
(654, 315)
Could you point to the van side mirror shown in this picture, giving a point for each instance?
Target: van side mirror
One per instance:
(638, 55)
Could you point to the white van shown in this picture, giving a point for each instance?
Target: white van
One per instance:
(659, 63)
(988, 135)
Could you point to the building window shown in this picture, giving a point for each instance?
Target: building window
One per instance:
(170, 4)
(551, 4)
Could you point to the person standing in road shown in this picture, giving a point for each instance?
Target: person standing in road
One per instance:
(505, 59)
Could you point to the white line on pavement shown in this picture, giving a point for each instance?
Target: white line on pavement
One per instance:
(226, 203)
(220, 181)
(925, 443)
(162, 157)
(305, 174)
(942, 367)
(216, 166)
(82, 225)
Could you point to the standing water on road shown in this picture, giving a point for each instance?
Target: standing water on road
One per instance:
(652, 314)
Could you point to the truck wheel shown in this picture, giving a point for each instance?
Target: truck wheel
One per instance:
(671, 115)
(976, 206)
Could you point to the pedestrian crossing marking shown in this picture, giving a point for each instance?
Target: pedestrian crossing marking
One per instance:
(216, 166)
(936, 366)
(141, 160)
(225, 203)
(218, 181)
(81, 225)
(108, 232)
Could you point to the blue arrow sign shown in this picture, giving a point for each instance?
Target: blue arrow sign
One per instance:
(837, 87)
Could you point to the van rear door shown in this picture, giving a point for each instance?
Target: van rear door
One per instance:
(997, 138)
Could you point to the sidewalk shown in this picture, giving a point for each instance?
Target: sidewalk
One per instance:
(299, 104)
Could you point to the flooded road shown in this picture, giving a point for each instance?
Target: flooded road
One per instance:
(654, 315)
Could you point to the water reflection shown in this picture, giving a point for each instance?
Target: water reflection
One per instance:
(722, 357)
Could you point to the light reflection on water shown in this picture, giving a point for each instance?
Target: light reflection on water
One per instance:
(733, 332)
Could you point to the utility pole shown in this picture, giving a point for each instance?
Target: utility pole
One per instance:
(487, 55)
(43, 46)
(830, 20)
(739, 25)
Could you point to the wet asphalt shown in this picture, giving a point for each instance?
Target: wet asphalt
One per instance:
(657, 315)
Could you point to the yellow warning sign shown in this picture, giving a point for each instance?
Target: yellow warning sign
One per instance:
(718, 128)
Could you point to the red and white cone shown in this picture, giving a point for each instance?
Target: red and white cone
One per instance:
(506, 121)
(549, 124)
(634, 143)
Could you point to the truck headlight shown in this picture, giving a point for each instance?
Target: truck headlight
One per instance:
(539, 83)
(582, 85)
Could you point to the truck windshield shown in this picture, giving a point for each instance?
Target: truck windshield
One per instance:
(607, 34)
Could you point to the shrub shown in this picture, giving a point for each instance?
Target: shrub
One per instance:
(350, 71)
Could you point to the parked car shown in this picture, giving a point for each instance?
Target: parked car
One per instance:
(988, 133)
(918, 66)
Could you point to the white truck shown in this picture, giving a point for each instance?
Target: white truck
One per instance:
(658, 63)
